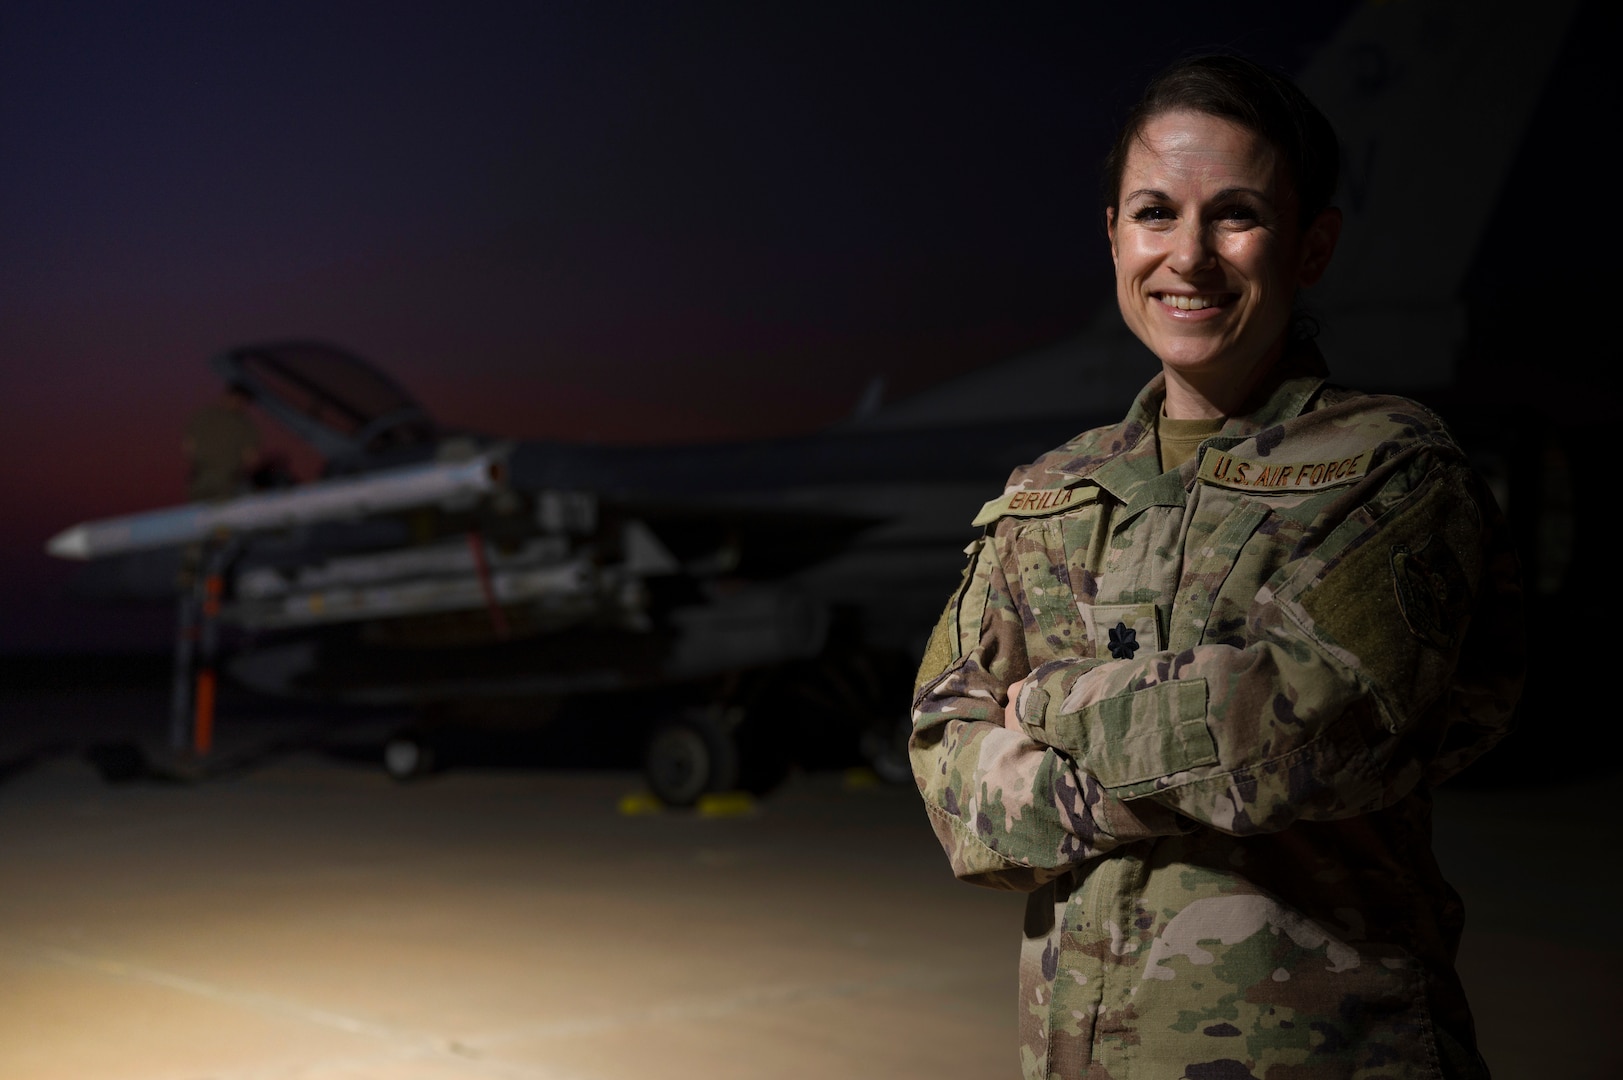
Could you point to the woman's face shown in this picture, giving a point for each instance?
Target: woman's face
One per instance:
(1208, 253)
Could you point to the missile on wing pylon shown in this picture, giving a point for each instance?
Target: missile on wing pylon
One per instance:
(324, 500)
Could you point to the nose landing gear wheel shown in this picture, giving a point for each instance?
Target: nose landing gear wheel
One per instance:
(687, 758)
(406, 756)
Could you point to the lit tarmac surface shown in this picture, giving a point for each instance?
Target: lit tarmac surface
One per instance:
(308, 918)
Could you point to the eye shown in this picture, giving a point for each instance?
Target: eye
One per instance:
(1153, 212)
(1237, 213)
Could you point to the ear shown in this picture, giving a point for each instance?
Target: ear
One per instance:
(1318, 245)
(1110, 231)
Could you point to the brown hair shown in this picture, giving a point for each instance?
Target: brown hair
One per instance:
(1263, 102)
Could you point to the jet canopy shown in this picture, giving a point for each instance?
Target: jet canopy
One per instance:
(346, 409)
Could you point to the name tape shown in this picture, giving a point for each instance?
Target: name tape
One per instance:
(1226, 470)
(1034, 503)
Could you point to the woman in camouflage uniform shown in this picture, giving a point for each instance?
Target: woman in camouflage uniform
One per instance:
(1206, 665)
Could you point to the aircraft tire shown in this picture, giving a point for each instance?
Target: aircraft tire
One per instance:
(686, 758)
(407, 756)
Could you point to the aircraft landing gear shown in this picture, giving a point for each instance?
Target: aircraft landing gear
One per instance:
(407, 756)
(690, 756)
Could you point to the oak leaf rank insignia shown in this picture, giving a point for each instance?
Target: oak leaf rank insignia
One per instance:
(1123, 641)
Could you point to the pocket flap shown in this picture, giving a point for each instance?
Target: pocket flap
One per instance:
(1135, 739)
(1122, 631)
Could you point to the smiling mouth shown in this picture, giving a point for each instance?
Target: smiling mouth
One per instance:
(1190, 303)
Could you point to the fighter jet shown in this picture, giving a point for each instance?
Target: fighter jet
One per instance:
(710, 584)
(721, 595)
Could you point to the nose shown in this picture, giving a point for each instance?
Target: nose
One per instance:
(1192, 247)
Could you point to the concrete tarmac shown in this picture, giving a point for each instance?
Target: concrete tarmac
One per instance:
(306, 918)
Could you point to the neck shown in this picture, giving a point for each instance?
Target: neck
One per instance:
(1206, 395)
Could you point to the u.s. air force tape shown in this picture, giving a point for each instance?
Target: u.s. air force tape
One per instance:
(1035, 503)
(1227, 470)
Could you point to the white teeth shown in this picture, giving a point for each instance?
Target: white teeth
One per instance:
(1187, 303)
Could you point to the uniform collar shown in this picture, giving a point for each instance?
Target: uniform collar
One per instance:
(1130, 468)
(1283, 396)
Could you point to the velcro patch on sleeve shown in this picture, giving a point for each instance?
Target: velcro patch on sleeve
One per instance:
(1433, 591)
(1243, 474)
(1037, 502)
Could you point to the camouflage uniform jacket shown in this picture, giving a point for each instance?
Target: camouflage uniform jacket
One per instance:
(1242, 678)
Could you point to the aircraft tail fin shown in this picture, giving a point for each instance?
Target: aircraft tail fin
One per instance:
(1431, 99)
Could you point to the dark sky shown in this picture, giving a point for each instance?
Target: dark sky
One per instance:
(616, 221)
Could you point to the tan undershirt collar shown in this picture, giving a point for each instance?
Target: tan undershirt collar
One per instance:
(1180, 438)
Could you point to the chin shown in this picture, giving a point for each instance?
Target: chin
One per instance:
(1195, 361)
(1196, 358)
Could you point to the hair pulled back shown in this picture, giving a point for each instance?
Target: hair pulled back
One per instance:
(1267, 104)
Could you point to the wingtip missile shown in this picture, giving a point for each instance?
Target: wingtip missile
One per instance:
(352, 496)
(72, 543)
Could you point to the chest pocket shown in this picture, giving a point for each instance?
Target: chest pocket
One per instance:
(1053, 623)
(1128, 572)
(1059, 559)
(1219, 537)
(1237, 545)
(1031, 532)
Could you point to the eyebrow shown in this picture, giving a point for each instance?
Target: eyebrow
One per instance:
(1152, 193)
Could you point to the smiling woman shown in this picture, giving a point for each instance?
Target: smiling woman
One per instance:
(1208, 256)
(1217, 199)
(1206, 664)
